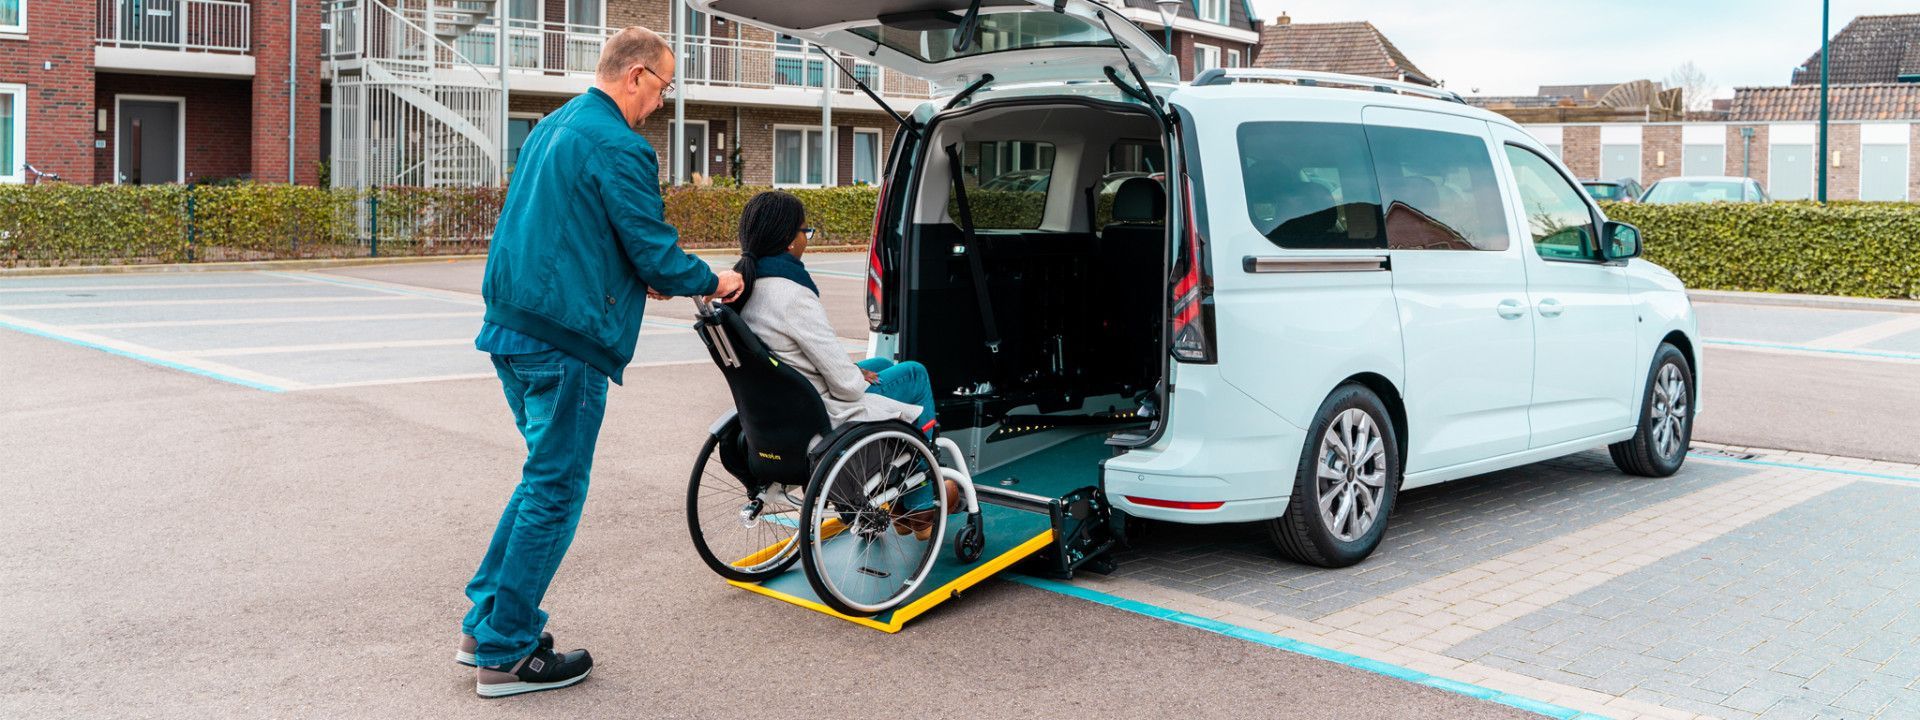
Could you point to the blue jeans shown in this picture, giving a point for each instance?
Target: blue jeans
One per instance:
(558, 402)
(906, 382)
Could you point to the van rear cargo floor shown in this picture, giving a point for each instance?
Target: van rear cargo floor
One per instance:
(1052, 472)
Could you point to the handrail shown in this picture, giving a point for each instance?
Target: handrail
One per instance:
(223, 26)
(1309, 78)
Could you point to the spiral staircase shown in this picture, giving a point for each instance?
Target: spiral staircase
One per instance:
(408, 107)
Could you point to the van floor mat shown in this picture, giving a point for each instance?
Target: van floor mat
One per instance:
(1051, 472)
(1012, 535)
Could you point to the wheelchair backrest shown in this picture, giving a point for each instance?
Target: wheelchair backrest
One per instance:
(780, 412)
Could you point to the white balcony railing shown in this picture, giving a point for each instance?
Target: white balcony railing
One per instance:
(561, 49)
(221, 26)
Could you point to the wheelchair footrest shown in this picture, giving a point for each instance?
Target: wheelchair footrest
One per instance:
(1013, 534)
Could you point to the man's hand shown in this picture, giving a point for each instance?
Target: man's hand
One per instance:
(657, 295)
(730, 286)
(873, 378)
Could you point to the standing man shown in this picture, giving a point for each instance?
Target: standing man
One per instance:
(581, 239)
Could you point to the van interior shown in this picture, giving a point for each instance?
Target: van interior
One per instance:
(1069, 213)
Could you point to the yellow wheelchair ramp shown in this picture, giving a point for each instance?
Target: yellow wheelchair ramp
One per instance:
(1013, 534)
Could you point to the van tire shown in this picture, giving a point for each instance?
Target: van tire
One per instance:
(1641, 454)
(1302, 533)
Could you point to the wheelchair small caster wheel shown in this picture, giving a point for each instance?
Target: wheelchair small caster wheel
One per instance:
(970, 541)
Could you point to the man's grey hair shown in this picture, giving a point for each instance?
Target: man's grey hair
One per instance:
(631, 46)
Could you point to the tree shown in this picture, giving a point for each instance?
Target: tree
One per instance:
(1698, 87)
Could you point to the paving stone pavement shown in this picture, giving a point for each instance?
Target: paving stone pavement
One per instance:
(1812, 612)
(1435, 530)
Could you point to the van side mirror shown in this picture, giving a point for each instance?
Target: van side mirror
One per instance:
(1623, 241)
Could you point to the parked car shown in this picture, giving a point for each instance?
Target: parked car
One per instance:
(1346, 287)
(1705, 189)
(1622, 190)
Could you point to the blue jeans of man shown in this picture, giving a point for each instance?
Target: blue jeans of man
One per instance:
(558, 402)
(906, 382)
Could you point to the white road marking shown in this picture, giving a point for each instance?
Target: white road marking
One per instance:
(1759, 346)
(327, 347)
(157, 356)
(173, 286)
(472, 376)
(220, 301)
(271, 321)
(1878, 331)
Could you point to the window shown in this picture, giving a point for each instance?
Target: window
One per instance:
(1790, 171)
(1557, 152)
(1883, 172)
(997, 32)
(1688, 191)
(13, 133)
(1214, 11)
(1557, 215)
(797, 63)
(1703, 160)
(1205, 57)
(1619, 161)
(866, 157)
(13, 16)
(1007, 183)
(797, 157)
(1310, 185)
(1438, 189)
(518, 128)
(1233, 58)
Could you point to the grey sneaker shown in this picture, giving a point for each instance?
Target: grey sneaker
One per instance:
(464, 655)
(543, 670)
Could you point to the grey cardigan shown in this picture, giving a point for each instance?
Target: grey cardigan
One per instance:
(793, 324)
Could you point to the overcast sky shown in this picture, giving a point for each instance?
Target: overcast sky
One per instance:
(1510, 47)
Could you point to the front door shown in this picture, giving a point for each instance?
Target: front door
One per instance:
(148, 142)
(694, 145)
(1586, 368)
(1460, 283)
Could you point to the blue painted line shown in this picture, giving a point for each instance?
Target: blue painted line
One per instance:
(203, 372)
(1815, 468)
(1291, 645)
(1812, 349)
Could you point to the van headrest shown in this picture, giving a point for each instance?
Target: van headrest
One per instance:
(1140, 199)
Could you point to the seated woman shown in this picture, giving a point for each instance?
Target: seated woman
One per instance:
(781, 304)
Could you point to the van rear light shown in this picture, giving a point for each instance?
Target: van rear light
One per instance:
(1192, 309)
(876, 271)
(1176, 504)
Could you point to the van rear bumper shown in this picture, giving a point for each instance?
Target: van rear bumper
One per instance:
(1223, 458)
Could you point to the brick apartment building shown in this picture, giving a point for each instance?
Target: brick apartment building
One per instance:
(410, 91)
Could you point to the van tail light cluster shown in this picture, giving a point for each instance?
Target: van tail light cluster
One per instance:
(1192, 311)
(876, 271)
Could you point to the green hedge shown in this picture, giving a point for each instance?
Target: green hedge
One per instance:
(1848, 248)
(710, 216)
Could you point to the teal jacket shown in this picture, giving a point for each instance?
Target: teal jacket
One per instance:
(581, 236)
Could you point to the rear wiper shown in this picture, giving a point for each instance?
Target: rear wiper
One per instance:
(969, 24)
(904, 121)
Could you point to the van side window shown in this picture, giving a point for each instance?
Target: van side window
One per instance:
(1439, 190)
(1557, 216)
(1007, 183)
(1310, 185)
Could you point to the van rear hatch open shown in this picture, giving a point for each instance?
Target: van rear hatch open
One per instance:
(952, 43)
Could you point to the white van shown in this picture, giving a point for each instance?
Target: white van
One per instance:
(1265, 296)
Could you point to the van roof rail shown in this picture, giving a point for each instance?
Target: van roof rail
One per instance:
(1308, 78)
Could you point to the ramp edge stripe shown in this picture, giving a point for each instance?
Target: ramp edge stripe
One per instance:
(1291, 645)
(926, 602)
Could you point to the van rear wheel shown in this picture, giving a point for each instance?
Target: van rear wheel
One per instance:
(1345, 485)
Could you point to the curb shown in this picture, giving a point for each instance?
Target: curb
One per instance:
(1823, 302)
(313, 264)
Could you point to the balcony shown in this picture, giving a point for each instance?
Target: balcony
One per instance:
(560, 58)
(210, 38)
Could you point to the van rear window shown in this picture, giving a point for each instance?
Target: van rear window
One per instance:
(1311, 185)
(1007, 183)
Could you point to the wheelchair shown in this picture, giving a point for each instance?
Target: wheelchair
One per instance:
(861, 507)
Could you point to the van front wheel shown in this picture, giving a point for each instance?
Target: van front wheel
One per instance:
(1344, 488)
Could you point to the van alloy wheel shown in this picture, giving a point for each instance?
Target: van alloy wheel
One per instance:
(1668, 411)
(1352, 475)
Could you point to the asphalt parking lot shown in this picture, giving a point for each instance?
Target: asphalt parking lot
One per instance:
(259, 493)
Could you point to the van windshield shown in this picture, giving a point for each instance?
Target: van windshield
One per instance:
(997, 32)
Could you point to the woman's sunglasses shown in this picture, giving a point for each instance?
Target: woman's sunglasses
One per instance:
(809, 232)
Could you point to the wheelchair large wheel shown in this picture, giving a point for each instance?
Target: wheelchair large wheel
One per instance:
(742, 533)
(873, 520)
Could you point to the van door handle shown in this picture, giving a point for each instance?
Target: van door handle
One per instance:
(1550, 308)
(1510, 309)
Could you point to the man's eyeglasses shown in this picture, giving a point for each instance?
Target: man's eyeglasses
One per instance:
(666, 86)
(809, 232)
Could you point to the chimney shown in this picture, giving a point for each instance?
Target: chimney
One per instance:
(1283, 19)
